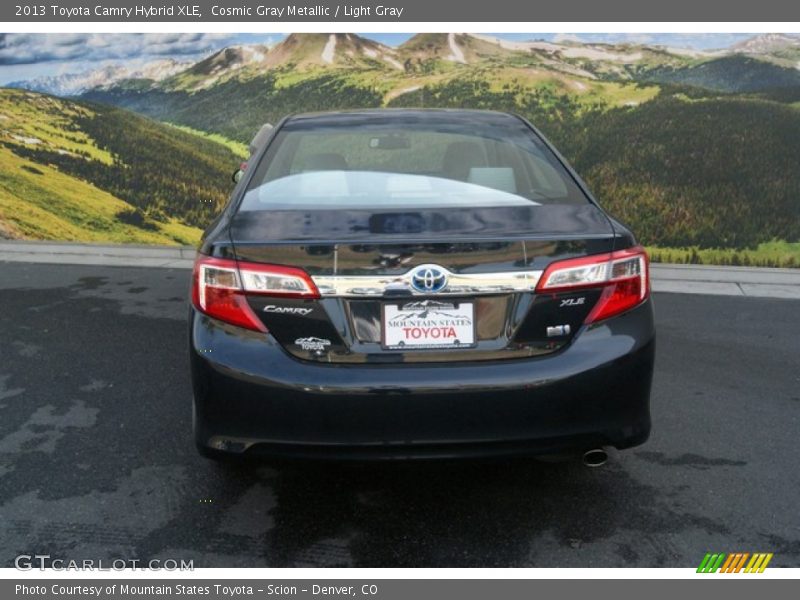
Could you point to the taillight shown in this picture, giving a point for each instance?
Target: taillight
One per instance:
(220, 288)
(623, 275)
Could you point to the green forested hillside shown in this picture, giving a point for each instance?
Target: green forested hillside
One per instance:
(683, 167)
(737, 73)
(74, 161)
(292, 77)
(718, 171)
(236, 109)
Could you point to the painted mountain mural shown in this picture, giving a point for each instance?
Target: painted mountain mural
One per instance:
(698, 150)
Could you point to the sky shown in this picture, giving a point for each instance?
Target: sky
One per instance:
(27, 56)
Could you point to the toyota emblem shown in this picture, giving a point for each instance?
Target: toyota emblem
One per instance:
(428, 279)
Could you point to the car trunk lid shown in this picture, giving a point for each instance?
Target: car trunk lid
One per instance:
(371, 268)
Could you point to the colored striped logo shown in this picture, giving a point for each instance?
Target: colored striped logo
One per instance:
(738, 562)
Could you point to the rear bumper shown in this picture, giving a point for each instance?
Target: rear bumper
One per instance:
(252, 397)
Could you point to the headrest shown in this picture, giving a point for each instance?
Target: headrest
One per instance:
(498, 178)
(324, 161)
(460, 157)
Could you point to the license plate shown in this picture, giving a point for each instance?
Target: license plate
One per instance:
(428, 324)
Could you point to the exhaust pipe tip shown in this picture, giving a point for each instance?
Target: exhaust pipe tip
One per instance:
(596, 457)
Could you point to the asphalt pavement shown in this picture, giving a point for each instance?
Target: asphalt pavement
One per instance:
(96, 458)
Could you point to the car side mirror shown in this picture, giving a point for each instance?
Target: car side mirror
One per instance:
(239, 173)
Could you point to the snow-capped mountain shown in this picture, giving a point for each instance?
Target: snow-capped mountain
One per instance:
(229, 59)
(222, 64)
(73, 84)
(579, 62)
(766, 44)
(302, 51)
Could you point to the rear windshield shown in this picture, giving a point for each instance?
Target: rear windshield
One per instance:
(408, 165)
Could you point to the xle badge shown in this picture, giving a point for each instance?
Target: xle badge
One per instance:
(573, 301)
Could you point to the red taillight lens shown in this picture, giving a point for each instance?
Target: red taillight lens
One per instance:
(623, 275)
(220, 287)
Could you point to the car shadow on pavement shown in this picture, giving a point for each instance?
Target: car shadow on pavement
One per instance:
(495, 513)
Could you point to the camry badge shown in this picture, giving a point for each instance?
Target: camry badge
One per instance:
(288, 310)
(428, 279)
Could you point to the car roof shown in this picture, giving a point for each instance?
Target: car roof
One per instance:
(401, 115)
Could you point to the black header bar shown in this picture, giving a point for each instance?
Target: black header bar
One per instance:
(439, 11)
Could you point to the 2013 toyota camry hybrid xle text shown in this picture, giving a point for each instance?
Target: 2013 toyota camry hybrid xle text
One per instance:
(417, 283)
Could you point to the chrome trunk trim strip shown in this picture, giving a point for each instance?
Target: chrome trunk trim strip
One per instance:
(370, 286)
